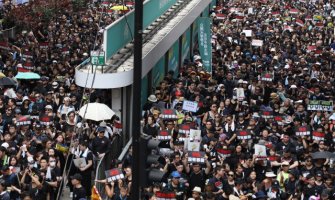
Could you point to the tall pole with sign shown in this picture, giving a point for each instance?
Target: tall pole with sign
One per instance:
(97, 58)
(136, 90)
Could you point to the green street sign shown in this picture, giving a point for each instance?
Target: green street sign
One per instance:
(98, 57)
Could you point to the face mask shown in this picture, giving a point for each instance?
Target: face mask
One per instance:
(52, 164)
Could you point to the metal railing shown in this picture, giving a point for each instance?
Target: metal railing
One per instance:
(106, 163)
(8, 33)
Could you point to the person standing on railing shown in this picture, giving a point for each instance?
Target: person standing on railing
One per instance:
(100, 144)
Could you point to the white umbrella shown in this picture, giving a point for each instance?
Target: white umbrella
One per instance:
(96, 112)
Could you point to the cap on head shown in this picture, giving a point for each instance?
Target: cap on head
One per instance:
(175, 174)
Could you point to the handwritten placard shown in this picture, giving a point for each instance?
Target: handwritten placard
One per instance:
(191, 106)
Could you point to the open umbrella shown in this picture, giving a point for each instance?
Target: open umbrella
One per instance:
(27, 75)
(96, 112)
(119, 8)
(5, 81)
(321, 155)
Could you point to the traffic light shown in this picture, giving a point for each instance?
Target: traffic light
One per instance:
(150, 159)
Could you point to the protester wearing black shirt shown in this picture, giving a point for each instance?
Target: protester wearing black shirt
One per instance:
(100, 144)
(79, 192)
(86, 171)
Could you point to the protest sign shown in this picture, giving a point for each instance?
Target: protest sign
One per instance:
(279, 119)
(320, 105)
(44, 45)
(243, 135)
(24, 120)
(191, 106)
(28, 65)
(196, 157)
(240, 94)
(164, 135)
(266, 77)
(193, 145)
(299, 22)
(267, 114)
(165, 195)
(184, 129)
(318, 135)
(294, 11)
(27, 54)
(169, 114)
(220, 16)
(248, 33)
(195, 135)
(257, 43)
(224, 152)
(302, 131)
(288, 28)
(311, 48)
(260, 151)
(114, 175)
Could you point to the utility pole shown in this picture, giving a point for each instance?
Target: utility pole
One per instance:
(136, 90)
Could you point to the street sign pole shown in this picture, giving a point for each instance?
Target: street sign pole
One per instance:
(136, 90)
(97, 59)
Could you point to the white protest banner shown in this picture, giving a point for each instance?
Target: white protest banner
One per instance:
(257, 43)
(320, 105)
(250, 11)
(191, 106)
(248, 33)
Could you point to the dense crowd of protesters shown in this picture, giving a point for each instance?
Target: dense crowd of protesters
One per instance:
(39, 125)
(297, 53)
